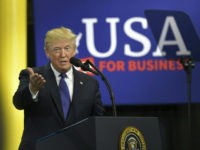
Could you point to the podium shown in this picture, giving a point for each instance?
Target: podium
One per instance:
(105, 133)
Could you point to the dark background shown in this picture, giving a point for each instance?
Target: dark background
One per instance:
(173, 119)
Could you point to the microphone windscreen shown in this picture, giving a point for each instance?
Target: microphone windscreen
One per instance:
(75, 61)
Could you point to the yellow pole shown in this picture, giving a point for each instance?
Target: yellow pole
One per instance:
(13, 27)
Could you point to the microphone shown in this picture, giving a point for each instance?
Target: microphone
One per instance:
(86, 67)
(77, 62)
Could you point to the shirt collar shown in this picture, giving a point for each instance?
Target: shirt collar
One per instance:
(69, 73)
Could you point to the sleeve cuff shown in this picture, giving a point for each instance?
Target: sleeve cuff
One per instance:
(34, 96)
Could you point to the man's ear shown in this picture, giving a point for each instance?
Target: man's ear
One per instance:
(47, 53)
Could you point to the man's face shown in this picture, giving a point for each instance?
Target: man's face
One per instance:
(59, 53)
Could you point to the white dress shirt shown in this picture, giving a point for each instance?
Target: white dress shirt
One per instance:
(69, 79)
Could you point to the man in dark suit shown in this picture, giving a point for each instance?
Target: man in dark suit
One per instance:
(39, 96)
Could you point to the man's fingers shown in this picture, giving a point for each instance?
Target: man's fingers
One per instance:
(36, 80)
(30, 71)
(39, 79)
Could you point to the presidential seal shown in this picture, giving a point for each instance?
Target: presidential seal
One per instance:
(132, 139)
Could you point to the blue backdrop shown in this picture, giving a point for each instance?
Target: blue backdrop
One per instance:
(117, 37)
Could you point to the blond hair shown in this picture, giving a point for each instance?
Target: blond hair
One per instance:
(60, 33)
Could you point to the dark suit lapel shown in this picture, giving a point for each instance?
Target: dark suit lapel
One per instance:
(78, 83)
(53, 89)
(77, 86)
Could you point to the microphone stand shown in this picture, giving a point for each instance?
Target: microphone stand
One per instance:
(188, 65)
(87, 63)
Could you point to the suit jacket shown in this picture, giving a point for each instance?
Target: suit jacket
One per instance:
(45, 115)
